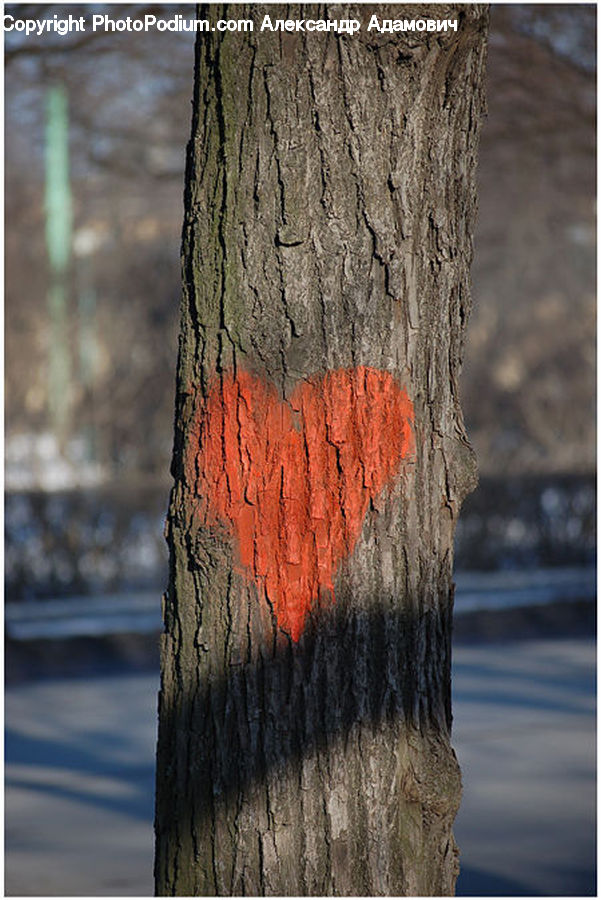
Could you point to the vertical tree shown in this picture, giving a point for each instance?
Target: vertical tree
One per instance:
(320, 459)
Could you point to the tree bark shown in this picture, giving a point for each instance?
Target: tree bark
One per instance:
(320, 459)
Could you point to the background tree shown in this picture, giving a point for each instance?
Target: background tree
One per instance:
(329, 208)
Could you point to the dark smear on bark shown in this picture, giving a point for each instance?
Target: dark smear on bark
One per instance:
(344, 693)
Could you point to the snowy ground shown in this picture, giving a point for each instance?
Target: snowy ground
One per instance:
(80, 770)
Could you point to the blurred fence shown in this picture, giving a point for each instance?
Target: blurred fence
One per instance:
(84, 542)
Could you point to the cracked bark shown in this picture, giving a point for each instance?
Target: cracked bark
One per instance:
(329, 209)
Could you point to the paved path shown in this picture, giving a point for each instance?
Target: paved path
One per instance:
(524, 733)
(79, 772)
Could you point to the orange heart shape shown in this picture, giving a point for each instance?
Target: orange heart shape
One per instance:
(292, 481)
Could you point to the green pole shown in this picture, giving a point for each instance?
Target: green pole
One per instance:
(87, 351)
(58, 244)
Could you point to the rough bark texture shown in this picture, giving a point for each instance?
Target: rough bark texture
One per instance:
(329, 209)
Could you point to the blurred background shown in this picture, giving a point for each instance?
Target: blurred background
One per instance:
(95, 136)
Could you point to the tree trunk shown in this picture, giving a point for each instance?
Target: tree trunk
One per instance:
(320, 459)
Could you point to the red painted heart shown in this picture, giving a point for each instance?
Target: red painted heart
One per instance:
(293, 480)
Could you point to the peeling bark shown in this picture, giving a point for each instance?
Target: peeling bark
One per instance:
(304, 739)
